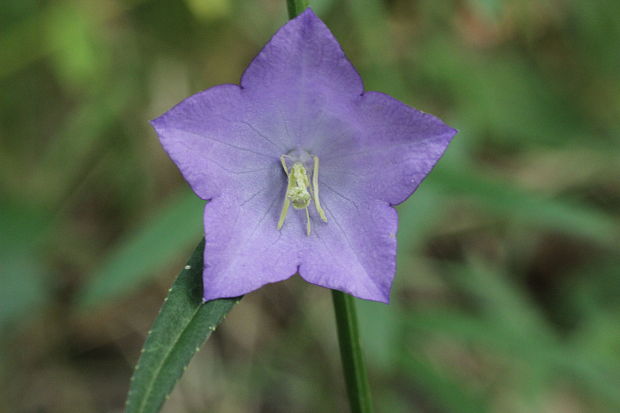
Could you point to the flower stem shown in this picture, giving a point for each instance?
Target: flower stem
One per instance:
(351, 353)
(296, 7)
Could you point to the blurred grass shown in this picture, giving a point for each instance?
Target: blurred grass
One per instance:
(173, 229)
(508, 267)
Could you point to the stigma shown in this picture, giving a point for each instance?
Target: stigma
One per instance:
(300, 190)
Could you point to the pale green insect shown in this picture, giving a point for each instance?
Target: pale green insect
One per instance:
(298, 191)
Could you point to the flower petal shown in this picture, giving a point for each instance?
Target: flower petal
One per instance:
(301, 56)
(297, 75)
(243, 249)
(212, 139)
(388, 152)
(379, 152)
(355, 251)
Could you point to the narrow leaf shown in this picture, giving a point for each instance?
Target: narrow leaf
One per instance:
(536, 352)
(443, 389)
(184, 323)
(568, 216)
(176, 227)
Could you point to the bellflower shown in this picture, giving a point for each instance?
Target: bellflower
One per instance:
(301, 168)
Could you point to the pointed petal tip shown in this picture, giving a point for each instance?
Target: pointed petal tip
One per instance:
(376, 295)
(159, 125)
(156, 122)
(308, 12)
(452, 131)
(303, 51)
(309, 17)
(383, 298)
(304, 19)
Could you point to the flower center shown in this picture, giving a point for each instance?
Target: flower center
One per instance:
(299, 192)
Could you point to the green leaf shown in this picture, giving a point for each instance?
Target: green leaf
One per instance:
(450, 394)
(537, 352)
(565, 215)
(184, 323)
(25, 281)
(153, 245)
(499, 298)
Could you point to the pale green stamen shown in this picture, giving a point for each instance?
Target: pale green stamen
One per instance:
(315, 187)
(298, 191)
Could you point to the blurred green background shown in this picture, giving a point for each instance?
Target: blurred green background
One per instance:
(507, 297)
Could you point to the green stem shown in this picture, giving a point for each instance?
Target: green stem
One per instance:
(296, 7)
(351, 353)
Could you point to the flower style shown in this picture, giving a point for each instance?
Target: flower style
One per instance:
(300, 131)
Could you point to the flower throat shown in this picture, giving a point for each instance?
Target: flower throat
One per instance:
(299, 192)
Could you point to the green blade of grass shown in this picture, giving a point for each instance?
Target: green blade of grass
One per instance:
(538, 352)
(444, 391)
(184, 323)
(564, 215)
(152, 246)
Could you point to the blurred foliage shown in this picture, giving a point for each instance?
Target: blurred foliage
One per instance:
(506, 298)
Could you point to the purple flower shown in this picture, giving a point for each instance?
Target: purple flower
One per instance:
(301, 168)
